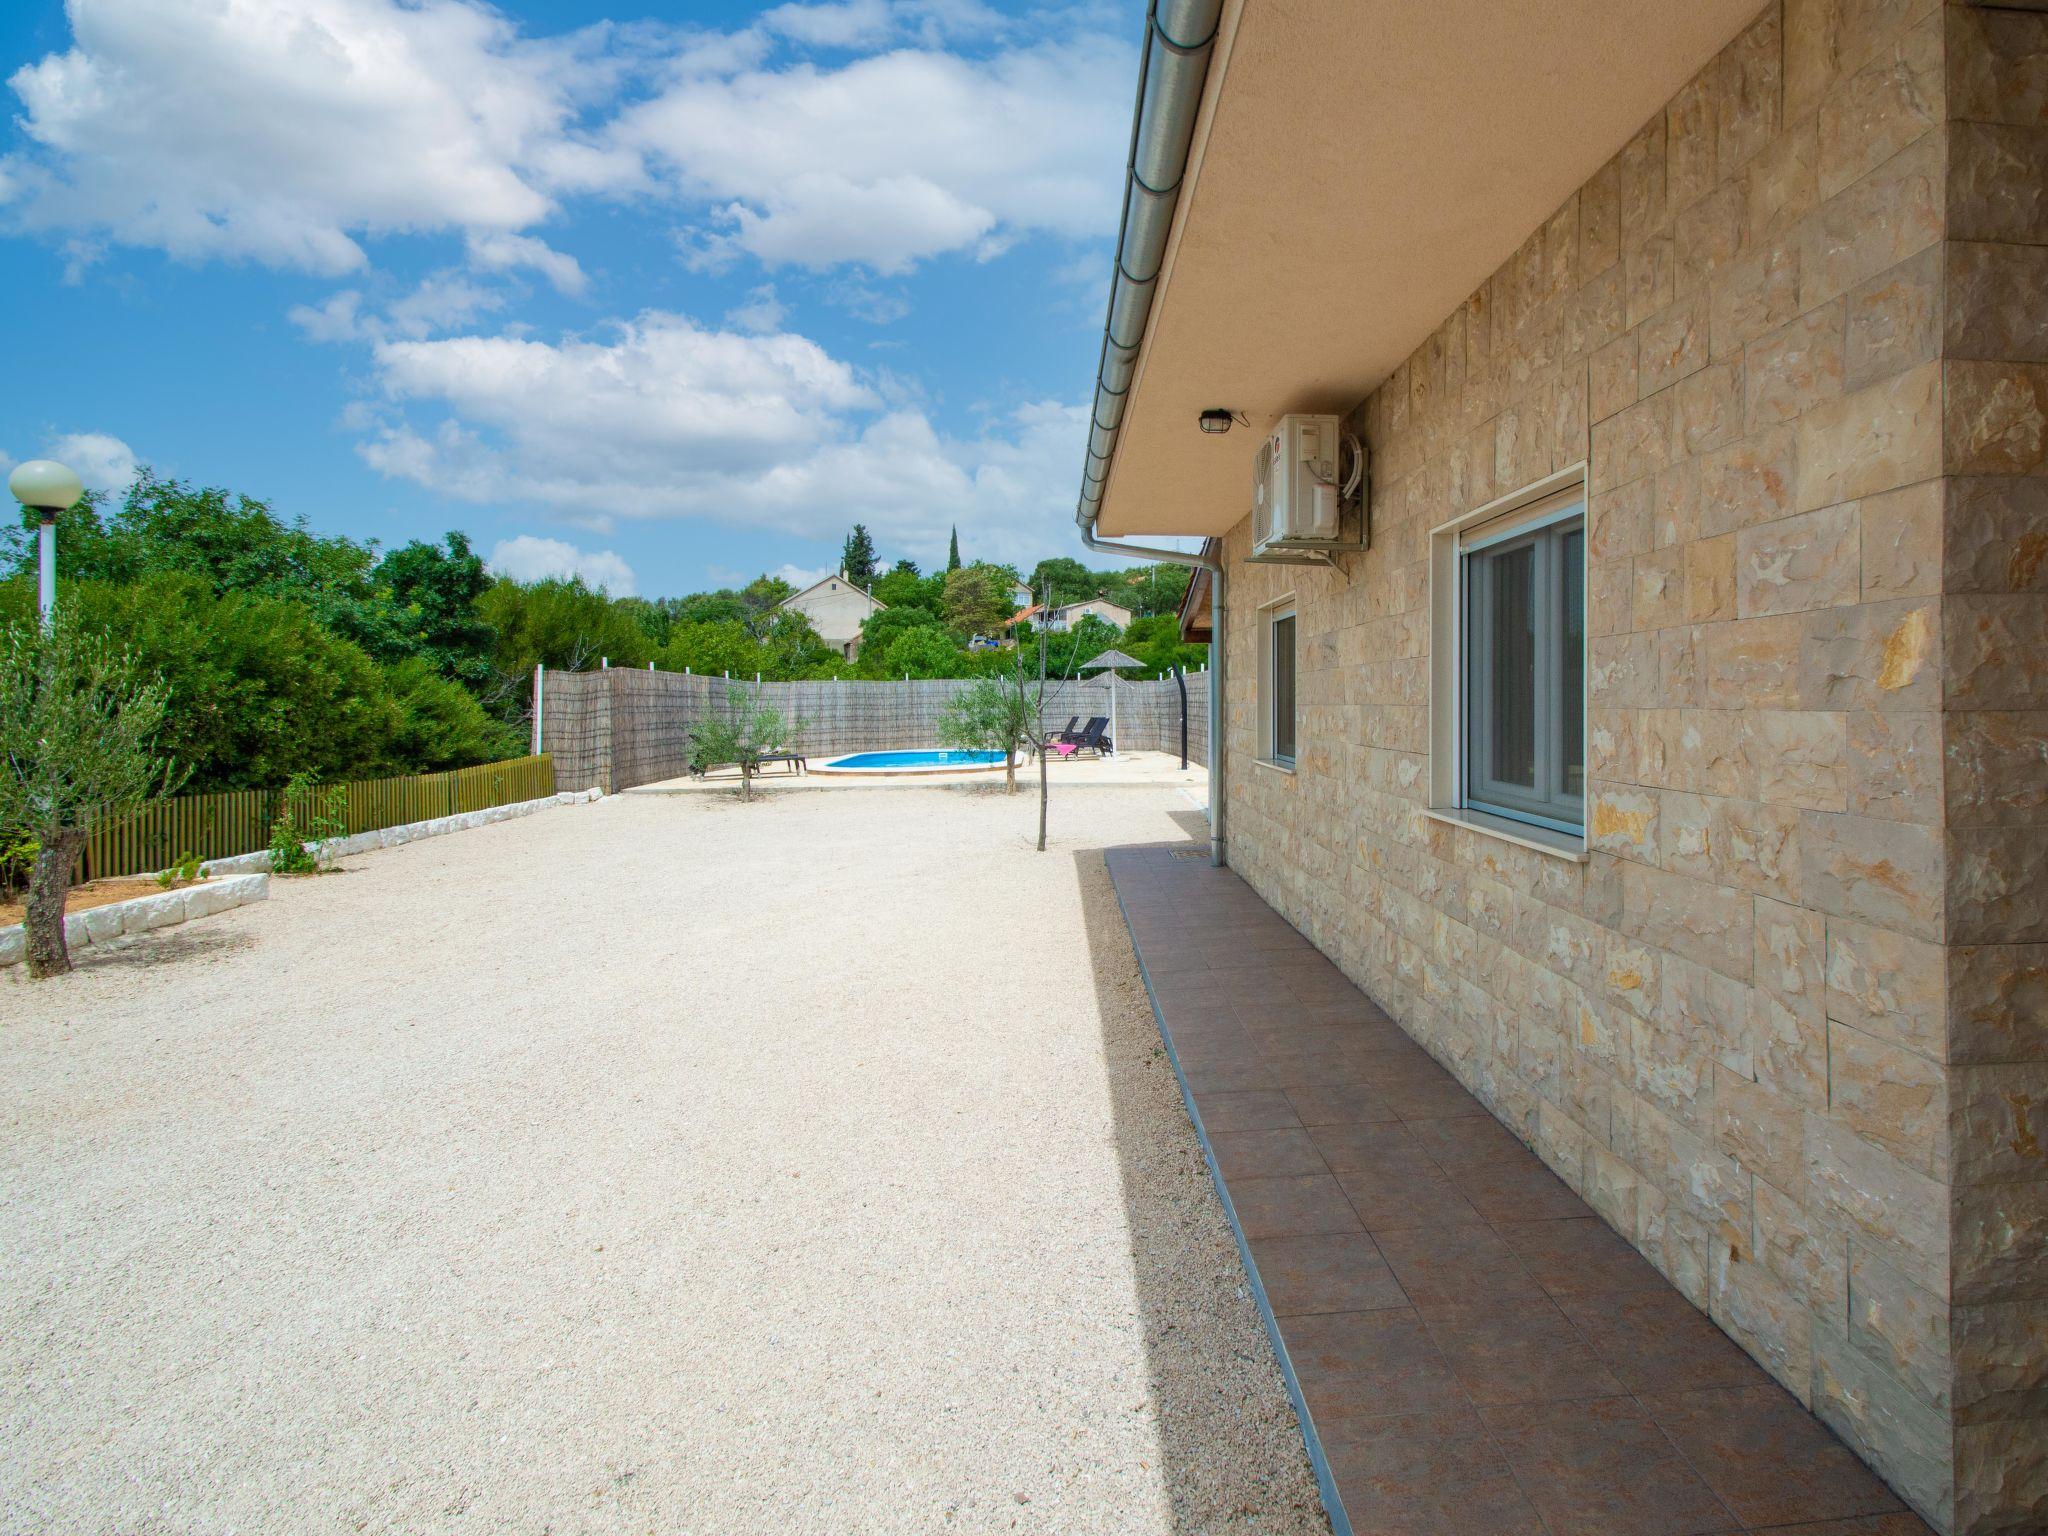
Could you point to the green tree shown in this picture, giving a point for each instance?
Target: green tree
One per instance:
(436, 586)
(924, 653)
(905, 566)
(260, 688)
(742, 730)
(901, 588)
(989, 715)
(953, 551)
(79, 727)
(857, 557)
(1067, 579)
(710, 648)
(977, 600)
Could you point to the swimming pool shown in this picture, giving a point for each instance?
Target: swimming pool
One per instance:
(913, 762)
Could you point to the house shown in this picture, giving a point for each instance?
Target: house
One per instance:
(1659, 737)
(835, 607)
(1061, 617)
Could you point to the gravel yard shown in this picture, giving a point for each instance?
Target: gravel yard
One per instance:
(656, 1165)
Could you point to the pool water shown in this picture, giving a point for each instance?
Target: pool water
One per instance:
(934, 761)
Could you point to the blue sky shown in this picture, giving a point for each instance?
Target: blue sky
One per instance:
(667, 299)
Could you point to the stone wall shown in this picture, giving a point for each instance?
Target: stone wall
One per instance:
(1995, 748)
(1784, 1028)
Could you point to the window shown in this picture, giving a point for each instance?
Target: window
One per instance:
(1524, 669)
(1508, 666)
(1276, 679)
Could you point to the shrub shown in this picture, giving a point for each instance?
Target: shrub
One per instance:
(311, 813)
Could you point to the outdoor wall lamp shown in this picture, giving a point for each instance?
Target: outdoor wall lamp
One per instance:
(1217, 422)
(46, 488)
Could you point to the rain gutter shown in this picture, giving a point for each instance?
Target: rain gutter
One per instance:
(1180, 36)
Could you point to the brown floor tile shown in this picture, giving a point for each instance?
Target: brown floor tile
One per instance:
(1429, 1475)
(1319, 1067)
(1581, 1257)
(1657, 1341)
(1602, 1468)
(1359, 1365)
(1903, 1524)
(1338, 1104)
(1364, 1144)
(1265, 1154)
(1463, 1143)
(1405, 1190)
(1256, 1109)
(1516, 1193)
(1335, 1272)
(1421, 1099)
(1299, 1206)
(1456, 1262)
(1516, 1351)
(1229, 1078)
(1767, 1458)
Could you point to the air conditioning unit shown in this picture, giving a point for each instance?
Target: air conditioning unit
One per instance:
(1295, 495)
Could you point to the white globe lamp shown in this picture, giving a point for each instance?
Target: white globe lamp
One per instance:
(46, 488)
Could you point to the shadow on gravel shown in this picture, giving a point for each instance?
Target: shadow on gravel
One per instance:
(1231, 1445)
(153, 949)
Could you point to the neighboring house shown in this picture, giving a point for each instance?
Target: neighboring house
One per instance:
(835, 607)
(1663, 745)
(1064, 616)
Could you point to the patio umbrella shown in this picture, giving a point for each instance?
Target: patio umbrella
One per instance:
(1108, 662)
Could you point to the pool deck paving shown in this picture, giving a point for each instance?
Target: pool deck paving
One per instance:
(1473, 1351)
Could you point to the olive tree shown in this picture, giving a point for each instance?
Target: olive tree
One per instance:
(990, 715)
(79, 725)
(742, 731)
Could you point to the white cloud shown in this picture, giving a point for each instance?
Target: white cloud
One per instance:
(665, 419)
(441, 301)
(841, 24)
(292, 131)
(892, 159)
(507, 253)
(102, 461)
(798, 576)
(529, 558)
(282, 130)
(761, 312)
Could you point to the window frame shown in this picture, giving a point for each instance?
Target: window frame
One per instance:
(1280, 610)
(1549, 503)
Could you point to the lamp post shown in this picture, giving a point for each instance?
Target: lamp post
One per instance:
(46, 488)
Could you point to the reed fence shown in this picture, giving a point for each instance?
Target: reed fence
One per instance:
(620, 727)
(237, 821)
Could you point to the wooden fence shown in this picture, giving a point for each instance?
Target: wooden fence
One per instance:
(220, 826)
(614, 729)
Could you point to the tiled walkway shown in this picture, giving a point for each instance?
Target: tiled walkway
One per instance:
(1476, 1353)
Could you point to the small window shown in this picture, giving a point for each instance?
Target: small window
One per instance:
(1277, 674)
(1524, 681)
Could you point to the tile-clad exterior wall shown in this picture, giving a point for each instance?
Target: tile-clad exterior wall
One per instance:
(1995, 739)
(1731, 1028)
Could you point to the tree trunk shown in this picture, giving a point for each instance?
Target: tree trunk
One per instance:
(746, 782)
(1041, 799)
(44, 928)
(1010, 768)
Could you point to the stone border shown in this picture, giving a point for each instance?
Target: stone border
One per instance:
(119, 919)
(245, 878)
(412, 831)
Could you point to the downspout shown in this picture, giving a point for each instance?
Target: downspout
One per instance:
(1180, 36)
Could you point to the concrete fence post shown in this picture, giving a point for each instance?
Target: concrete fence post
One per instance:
(540, 670)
